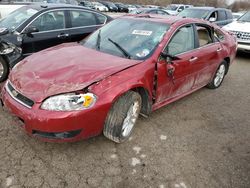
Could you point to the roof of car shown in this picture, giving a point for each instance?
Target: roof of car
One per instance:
(206, 8)
(42, 6)
(163, 19)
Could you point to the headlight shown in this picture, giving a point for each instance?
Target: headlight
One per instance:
(69, 102)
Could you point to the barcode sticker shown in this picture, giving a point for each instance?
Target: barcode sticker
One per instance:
(142, 32)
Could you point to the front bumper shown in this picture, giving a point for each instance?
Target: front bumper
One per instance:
(243, 46)
(55, 126)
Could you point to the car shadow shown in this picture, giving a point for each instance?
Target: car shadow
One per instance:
(243, 55)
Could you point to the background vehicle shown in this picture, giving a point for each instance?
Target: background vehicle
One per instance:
(36, 27)
(111, 6)
(237, 15)
(121, 7)
(241, 29)
(100, 7)
(150, 11)
(131, 8)
(174, 9)
(9, 6)
(87, 4)
(135, 68)
(219, 16)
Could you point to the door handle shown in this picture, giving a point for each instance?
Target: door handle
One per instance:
(63, 35)
(193, 59)
(219, 49)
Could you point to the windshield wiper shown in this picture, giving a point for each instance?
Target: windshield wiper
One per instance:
(120, 48)
(98, 41)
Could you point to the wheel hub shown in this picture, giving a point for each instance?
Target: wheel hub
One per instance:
(130, 119)
(1, 70)
(219, 75)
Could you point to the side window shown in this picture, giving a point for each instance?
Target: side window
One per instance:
(100, 19)
(214, 16)
(219, 35)
(50, 21)
(181, 8)
(153, 12)
(222, 15)
(229, 15)
(82, 18)
(182, 41)
(161, 12)
(204, 36)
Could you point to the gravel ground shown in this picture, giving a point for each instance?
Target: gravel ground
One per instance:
(200, 141)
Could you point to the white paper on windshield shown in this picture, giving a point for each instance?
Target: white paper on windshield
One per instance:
(142, 32)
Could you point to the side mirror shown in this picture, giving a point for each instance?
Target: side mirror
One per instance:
(180, 10)
(29, 30)
(212, 19)
(169, 58)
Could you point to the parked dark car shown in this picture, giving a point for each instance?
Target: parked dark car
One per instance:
(149, 11)
(219, 16)
(121, 7)
(87, 4)
(111, 6)
(36, 27)
(133, 65)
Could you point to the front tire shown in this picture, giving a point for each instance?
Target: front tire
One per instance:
(219, 76)
(4, 69)
(122, 117)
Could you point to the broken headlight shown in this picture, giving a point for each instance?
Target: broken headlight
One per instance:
(69, 102)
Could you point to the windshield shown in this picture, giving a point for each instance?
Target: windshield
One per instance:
(172, 7)
(16, 18)
(194, 13)
(245, 17)
(136, 39)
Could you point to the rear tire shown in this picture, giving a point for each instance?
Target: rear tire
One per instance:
(4, 69)
(219, 76)
(122, 117)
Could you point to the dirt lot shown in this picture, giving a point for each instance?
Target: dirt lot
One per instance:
(201, 141)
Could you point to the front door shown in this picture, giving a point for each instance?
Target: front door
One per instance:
(181, 81)
(51, 31)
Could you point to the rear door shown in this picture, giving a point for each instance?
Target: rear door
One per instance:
(207, 55)
(182, 45)
(51, 31)
(84, 22)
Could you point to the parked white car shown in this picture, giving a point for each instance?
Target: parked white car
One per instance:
(131, 8)
(100, 7)
(241, 29)
(174, 9)
(6, 9)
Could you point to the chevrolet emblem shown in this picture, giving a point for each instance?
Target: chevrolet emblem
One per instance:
(14, 93)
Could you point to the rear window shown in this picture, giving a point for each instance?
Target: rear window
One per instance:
(222, 15)
(229, 15)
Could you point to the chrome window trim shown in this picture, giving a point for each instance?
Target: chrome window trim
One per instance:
(65, 9)
(13, 97)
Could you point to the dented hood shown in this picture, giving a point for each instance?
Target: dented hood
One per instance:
(64, 68)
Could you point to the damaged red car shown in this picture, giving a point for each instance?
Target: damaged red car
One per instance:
(133, 65)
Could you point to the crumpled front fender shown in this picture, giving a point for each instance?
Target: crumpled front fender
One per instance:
(10, 52)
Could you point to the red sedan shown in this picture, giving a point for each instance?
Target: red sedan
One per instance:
(133, 65)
